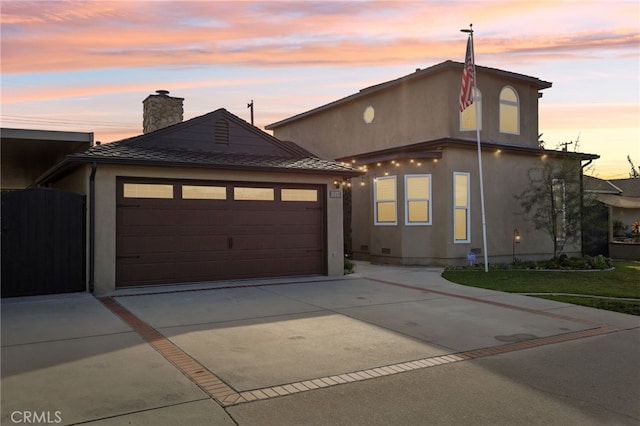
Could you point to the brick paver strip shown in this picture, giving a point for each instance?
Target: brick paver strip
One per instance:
(211, 384)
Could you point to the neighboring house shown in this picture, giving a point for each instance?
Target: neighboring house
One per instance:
(419, 199)
(621, 198)
(210, 198)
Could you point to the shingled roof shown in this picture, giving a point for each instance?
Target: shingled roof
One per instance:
(193, 143)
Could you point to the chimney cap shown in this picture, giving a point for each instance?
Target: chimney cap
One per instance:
(162, 92)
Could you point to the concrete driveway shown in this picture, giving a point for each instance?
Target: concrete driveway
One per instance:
(388, 345)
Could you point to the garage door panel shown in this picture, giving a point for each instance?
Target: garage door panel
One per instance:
(202, 243)
(251, 243)
(300, 217)
(176, 272)
(142, 244)
(186, 240)
(211, 230)
(260, 217)
(204, 217)
(150, 217)
(309, 241)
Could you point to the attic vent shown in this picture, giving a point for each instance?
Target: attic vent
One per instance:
(221, 132)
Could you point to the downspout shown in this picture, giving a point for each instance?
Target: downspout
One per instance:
(92, 227)
(582, 206)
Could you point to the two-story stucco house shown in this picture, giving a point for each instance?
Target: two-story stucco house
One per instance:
(419, 200)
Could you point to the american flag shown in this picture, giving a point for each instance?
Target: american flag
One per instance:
(466, 91)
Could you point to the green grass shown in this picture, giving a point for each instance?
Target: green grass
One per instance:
(623, 281)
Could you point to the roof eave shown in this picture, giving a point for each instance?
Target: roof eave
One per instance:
(184, 164)
(433, 149)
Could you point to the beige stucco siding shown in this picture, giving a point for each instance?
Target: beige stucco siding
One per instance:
(505, 175)
(413, 111)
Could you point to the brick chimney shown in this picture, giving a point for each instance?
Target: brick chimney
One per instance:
(161, 110)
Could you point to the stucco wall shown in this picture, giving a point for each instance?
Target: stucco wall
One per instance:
(419, 109)
(105, 209)
(505, 175)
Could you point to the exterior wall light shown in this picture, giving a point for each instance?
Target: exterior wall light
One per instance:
(516, 240)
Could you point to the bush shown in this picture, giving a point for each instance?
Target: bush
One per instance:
(600, 262)
(349, 267)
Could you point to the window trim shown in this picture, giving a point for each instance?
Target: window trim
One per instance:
(467, 208)
(376, 201)
(506, 102)
(427, 199)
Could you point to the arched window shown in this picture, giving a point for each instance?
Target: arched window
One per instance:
(509, 111)
(468, 116)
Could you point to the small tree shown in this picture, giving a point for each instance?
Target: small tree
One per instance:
(634, 174)
(553, 200)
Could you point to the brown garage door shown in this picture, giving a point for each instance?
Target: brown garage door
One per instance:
(179, 232)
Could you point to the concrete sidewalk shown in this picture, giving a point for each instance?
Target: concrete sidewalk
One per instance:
(388, 345)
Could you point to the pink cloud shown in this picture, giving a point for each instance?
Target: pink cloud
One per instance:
(103, 35)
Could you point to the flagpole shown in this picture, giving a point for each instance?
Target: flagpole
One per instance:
(484, 220)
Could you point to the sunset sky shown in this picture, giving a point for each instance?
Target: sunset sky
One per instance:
(87, 65)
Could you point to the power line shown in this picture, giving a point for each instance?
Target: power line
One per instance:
(66, 122)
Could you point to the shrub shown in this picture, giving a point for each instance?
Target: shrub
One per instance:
(349, 267)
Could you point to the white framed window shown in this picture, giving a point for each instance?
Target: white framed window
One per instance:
(461, 204)
(417, 199)
(509, 111)
(385, 200)
(468, 116)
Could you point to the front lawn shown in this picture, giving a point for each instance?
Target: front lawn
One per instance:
(621, 282)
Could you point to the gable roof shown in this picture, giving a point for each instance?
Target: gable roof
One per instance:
(418, 74)
(192, 144)
(630, 187)
(601, 186)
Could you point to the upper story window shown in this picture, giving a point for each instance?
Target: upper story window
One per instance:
(468, 116)
(385, 200)
(509, 111)
(221, 131)
(417, 199)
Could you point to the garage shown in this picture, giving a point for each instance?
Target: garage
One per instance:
(183, 231)
(212, 198)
